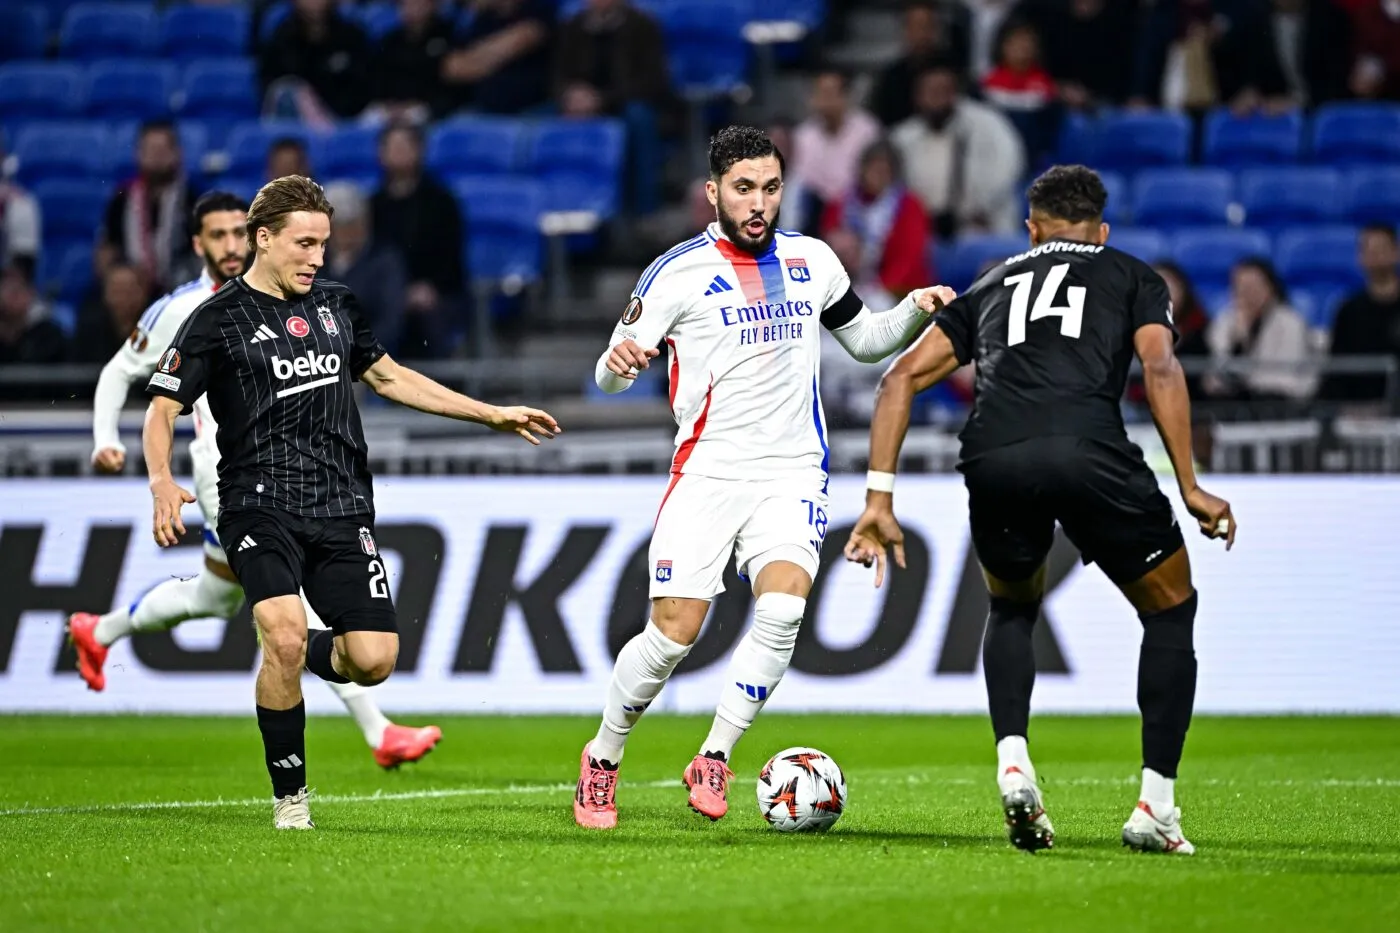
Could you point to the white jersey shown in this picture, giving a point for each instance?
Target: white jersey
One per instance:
(744, 352)
(137, 359)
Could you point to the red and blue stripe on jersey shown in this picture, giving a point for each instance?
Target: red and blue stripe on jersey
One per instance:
(760, 277)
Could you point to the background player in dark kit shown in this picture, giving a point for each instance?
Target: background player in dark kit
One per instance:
(278, 353)
(1053, 332)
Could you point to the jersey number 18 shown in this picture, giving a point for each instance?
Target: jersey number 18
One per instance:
(1071, 315)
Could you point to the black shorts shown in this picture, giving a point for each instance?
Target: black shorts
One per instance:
(1101, 492)
(334, 560)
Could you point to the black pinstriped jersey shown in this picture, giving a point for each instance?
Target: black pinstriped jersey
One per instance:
(1051, 331)
(279, 375)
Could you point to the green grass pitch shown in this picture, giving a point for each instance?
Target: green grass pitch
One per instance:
(1294, 819)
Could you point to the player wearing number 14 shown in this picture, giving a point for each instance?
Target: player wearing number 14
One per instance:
(1053, 331)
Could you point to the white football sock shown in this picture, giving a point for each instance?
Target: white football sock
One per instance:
(361, 704)
(1012, 753)
(643, 666)
(1159, 792)
(170, 603)
(760, 660)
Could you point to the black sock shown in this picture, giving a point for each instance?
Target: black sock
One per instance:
(319, 648)
(284, 742)
(1008, 663)
(1166, 685)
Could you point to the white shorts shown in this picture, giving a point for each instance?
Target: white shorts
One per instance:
(205, 458)
(702, 521)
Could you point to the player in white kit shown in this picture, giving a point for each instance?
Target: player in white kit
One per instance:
(739, 307)
(220, 239)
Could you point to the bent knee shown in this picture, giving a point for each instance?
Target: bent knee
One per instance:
(284, 647)
(372, 665)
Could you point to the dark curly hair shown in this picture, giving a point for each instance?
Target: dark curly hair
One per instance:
(1073, 193)
(737, 143)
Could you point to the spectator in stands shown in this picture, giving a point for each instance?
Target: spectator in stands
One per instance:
(20, 228)
(1313, 43)
(986, 20)
(501, 62)
(27, 335)
(1196, 54)
(374, 270)
(611, 58)
(316, 65)
(1261, 330)
(1368, 322)
(109, 318)
(419, 215)
(890, 228)
(826, 147)
(1376, 74)
(409, 62)
(287, 156)
(1191, 320)
(795, 195)
(963, 158)
(927, 39)
(1022, 89)
(1088, 48)
(146, 219)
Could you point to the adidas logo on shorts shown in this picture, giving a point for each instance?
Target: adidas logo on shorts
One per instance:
(246, 543)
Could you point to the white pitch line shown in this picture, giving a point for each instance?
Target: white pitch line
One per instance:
(524, 789)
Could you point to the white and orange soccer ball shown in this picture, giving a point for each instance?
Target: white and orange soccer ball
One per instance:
(801, 790)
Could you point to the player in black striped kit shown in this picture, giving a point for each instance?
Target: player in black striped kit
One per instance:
(278, 353)
(1053, 331)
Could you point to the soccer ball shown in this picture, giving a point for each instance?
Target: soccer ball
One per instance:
(801, 790)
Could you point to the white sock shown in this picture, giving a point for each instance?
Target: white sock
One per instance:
(361, 704)
(643, 666)
(1159, 792)
(760, 660)
(167, 605)
(1012, 753)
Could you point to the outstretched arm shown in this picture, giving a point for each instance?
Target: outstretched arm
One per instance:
(411, 388)
(870, 337)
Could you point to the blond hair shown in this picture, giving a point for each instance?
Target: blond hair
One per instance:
(283, 196)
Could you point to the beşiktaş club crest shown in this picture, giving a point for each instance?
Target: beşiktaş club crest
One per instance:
(328, 324)
(367, 542)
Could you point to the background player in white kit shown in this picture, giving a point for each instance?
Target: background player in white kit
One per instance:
(738, 307)
(218, 228)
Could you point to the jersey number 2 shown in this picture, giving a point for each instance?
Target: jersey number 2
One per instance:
(378, 585)
(1071, 315)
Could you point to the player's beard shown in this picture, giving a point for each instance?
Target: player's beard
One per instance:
(739, 238)
(217, 271)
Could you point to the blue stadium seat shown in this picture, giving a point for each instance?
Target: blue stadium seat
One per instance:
(1079, 136)
(705, 44)
(220, 89)
(1237, 142)
(1182, 197)
(72, 209)
(1132, 141)
(189, 32)
(1119, 207)
(378, 19)
(961, 264)
(1279, 197)
(248, 144)
(1329, 302)
(74, 272)
(475, 146)
(245, 186)
(502, 215)
(1147, 245)
(1318, 257)
(120, 161)
(107, 30)
(24, 32)
(66, 150)
(351, 150)
(1356, 134)
(130, 88)
(1208, 253)
(580, 163)
(1213, 298)
(51, 90)
(1372, 195)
